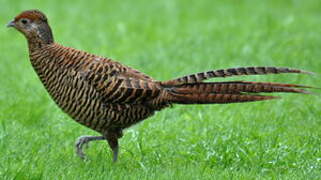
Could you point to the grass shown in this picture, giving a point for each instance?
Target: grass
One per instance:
(279, 139)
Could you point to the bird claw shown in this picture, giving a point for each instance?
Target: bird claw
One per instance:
(84, 141)
(80, 143)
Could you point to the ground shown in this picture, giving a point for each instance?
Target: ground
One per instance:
(278, 139)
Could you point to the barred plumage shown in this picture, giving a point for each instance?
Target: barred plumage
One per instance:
(199, 77)
(108, 97)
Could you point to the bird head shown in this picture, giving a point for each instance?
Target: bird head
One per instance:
(32, 24)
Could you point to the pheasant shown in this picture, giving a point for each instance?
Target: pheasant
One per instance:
(108, 97)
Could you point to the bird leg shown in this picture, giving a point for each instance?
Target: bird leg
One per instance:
(84, 140)
(112, 139)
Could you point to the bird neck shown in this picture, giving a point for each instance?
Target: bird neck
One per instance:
(40, 38)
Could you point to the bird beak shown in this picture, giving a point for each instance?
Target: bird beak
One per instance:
(11, 24)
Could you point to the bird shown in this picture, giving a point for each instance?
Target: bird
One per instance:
(108, 97)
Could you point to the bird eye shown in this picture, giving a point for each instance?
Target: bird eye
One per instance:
(24, 21)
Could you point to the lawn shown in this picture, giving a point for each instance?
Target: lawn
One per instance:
(278, 139)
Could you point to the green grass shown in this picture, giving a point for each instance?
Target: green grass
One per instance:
(279, 139)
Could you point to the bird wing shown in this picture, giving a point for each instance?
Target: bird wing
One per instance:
(120, 84)
(135, 74)
(129, 90)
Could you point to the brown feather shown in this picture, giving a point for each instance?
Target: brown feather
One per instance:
(199, 77)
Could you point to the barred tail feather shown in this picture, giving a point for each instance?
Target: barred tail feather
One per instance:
(206, 98)
(229, 92)
(238, 87)
(199, 77)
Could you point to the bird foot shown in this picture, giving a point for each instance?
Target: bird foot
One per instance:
(83, 141)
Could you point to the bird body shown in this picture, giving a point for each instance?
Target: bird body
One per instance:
(89, 87)
(106, 96)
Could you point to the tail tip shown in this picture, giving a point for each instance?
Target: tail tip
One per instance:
(307, 72)
(275, 97)
(294, 70)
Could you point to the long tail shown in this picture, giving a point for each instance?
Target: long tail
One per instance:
(191, 90)
(199, 77)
